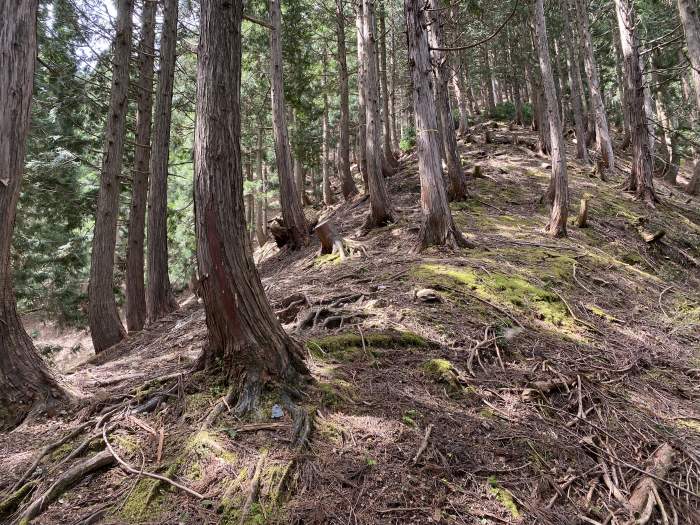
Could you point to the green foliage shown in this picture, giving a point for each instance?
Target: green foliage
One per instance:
(408, 139)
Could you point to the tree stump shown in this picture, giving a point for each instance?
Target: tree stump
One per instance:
(582, 214)
(331, 241)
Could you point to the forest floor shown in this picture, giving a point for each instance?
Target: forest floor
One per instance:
(538, 380)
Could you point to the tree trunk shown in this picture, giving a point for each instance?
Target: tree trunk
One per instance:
(626, 139)
(603, 141)
(393, 109)
(135, 288)
(290, 202)
(249, 200)
(328, 198)
(665, 126)
(574, 73)
(691, 27)
(260, 223)
(641, 178)
(242, 328)
(361, 98)
(379, 205)
(160, 300)
(105, 326)
(386, 120)
(462, 104)
(458, 183)
(25, 381)
(488, 80)
(347, 184)
(437, 226)
(559, 211)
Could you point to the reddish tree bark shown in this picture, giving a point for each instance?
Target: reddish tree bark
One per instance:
(25, 382)
(105, 325)
(243, 330)
(135, 289)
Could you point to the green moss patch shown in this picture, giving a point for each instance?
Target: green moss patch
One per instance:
(348, 346)
(442, 371)
(503, 496)
(508, 290)
(336, 393)
(330, 259)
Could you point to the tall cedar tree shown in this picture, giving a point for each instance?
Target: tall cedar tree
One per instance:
(379, 205)
(243, 329)
(641, 177)
(604, 144)
(24, 379)
(458, 184)
(105, 325)
(438, 227)
(558, 184)
(292, 214)
(347, 183)
(135, 290)
(691, 26)
(160, 300)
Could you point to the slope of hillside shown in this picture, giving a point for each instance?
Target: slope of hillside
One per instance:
(528, 380)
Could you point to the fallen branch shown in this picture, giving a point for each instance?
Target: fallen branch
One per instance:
(424, 444)
(643, 500)
(132, 470)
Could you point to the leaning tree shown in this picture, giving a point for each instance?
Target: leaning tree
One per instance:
(25, 381)
(244, 334)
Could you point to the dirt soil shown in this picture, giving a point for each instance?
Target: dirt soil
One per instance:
(529, 380)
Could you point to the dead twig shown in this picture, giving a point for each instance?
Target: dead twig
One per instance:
(132, 470)
(424, 444)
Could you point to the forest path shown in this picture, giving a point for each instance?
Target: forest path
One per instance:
(542, 373)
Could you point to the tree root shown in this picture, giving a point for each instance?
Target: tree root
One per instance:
(644, 496)
(254, 490)
(64, 482)
(141, 472)
(47, 450)
(11, 502)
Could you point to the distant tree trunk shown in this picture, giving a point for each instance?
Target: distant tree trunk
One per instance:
(160, 300)
(242, 328)
(641, 178)
(361, 98)
(328, 198)
(574, 74)
(626, 139)
(462, 103)
(437, 226)
(666, 128)
(347, 184)
(393, 110)
(135, 288)
(260, 223)
(514, 59)
(560, 201)
(488, 80)
(691, 27)
(290, 202)
(386, 120)
(105, 326)
(249, 200)
(379, 207)
(25, 381)
(458, 183)
(601, 121)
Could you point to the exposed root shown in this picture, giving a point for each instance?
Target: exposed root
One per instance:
(11, 502)
(47, 450)
(253, 491)
(644, 496)
(112, 453)
(64, 482)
